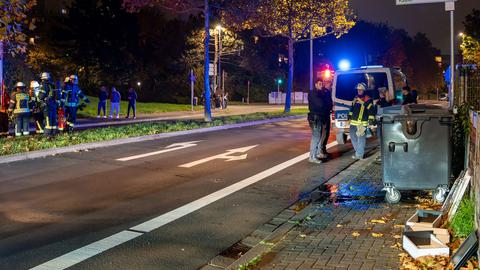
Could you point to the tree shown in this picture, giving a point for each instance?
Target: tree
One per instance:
(293, 20)
(470, 49)
(472, 24)
(184, 6)
(13, 16)
(471, 40)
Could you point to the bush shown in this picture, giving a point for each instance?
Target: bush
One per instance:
(463, 222)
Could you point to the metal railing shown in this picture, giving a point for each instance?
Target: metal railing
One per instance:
(468, 87)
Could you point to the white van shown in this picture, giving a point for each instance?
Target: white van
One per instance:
(343, 91)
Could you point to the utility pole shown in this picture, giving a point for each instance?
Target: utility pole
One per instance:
(248, 92)
(450, 7)
(215, 63)
(1, 78)
(192, 86)
(223, 82)
(220, 77)
(311, 59)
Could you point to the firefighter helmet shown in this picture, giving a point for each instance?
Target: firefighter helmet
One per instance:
(361, 86)
(45, 76)
(20, 85)
(67, 79)
(34, 84)
(74, 79)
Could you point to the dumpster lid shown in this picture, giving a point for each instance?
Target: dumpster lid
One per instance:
(414, 111)
(425, 109)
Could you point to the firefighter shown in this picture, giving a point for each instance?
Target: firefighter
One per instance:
(20, 104)
(361, 115)
(71, 97)
(50, 96)
(38, 107)
(4, 103)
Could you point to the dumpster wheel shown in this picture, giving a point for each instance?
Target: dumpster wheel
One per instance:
(393, 195)
(439, 194)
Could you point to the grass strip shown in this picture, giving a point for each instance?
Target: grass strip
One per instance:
(10, 146)
(142, 108)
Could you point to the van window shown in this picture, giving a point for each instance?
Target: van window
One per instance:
(398, 84)
(346, 83)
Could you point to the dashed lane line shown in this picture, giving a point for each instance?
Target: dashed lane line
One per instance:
(93, 249)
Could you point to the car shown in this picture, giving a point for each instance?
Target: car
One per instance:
(343, 91)
(443, 97)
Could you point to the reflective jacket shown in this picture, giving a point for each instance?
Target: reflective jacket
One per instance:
(49, 95)
(20, 103)
(362, 111)
(72, 94)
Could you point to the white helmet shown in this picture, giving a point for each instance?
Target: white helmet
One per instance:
(45, 76)
(361, 86)
(34, 84)
(20, 85)
(74, 79)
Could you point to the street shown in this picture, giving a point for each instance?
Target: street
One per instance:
(238, 179)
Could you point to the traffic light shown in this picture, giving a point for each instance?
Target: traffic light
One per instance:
(279, 81)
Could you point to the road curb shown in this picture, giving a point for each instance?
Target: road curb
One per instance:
(266, 245)
(95, 145)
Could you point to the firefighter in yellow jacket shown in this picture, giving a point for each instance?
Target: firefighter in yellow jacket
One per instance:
(361, 115)
(20, 104)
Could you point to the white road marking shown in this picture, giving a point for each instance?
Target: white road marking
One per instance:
(226, 156)
(170, 148)
(86, 252)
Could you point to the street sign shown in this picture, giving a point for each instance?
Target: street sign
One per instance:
(170, 148)
(411, 2)
(212, 70)
(227, 156)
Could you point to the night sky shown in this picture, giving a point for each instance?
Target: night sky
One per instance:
(431, 19)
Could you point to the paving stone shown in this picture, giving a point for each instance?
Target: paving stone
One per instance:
(326, 242)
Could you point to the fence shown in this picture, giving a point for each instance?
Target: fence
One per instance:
(474, 164)
(468, 87)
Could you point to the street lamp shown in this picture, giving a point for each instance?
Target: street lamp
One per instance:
(461, 34)
(219, 28)
(139, 84)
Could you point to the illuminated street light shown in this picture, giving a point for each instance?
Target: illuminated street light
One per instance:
(461, 34)
(139, 83)
(218, 27)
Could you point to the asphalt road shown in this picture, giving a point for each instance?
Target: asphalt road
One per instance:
(52, 206)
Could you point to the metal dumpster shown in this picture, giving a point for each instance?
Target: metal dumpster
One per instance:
(416, 149)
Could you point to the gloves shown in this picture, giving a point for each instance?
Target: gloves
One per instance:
(361, 131)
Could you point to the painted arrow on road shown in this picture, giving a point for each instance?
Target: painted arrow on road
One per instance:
(227, 156)
(170, 148)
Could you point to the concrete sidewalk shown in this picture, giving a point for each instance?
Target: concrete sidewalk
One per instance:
(349, 226)
(88, 123)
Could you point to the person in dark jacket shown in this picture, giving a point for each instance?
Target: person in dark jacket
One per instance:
(361, 115)
(382, 102)
(320, 105)
(132, 102)
(102, 101)
(408, 98)
(115, 99)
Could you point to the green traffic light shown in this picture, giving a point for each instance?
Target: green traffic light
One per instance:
(280, 81)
